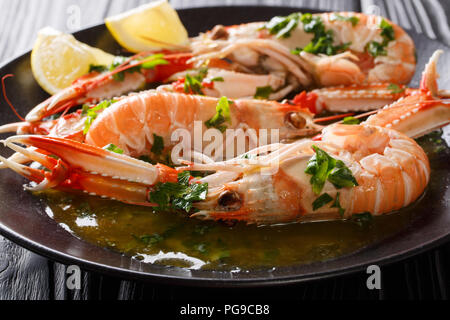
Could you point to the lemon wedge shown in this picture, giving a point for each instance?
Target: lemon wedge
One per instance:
(156, 20)
(58, 59)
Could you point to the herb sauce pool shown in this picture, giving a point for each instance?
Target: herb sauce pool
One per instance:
(173, 239)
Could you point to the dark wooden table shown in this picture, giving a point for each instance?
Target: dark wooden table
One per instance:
(26, 275)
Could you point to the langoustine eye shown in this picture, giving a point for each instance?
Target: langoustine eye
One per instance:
(295, 120)
(229, 200)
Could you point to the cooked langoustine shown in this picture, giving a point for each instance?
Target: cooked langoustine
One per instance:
(390, 170)
(135, 121)
(258, 49)
(97, 86)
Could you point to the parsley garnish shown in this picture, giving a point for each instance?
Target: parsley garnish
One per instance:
(263, 92)
(222, 115)
(150, 62)
(153, 61)
(323, 167)
(178, 196)
(193, 84)
(92, 113)
(113, 148)
(217, 79)
(322, 41)
(321, 201)
(354, 20)
(97, 68)
(351, 120)
(362, 219)
(379, 49)
(158, 145)
(341, 176)
(282, 26)
(337, 204)
(395, 88)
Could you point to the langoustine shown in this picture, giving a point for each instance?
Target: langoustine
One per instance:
(360, 49)
(307, 51)
(380, 163)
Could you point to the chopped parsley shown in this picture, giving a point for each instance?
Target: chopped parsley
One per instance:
(351, 120)
(158, 145)
(263, 92)
(282, 27)
(113, 148)
(337, 204)
(323, 167)
(179, 195)
(92, 113)
(97, 68)
(375, 48)
(337, 17)
(321, 201)
(217, 79)
(341, 176)
(222, 115)
(395, 88)
(193, 84)
(362, 219)
(150, 62)
(154, 60)
(322, 42)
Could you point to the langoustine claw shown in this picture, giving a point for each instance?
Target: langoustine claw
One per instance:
(74, 166)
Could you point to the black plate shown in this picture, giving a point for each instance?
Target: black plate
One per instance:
(24, 221)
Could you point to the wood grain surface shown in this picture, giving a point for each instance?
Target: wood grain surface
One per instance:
(25, 275)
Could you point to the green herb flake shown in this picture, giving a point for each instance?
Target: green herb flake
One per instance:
(158, 145)
(113, 148)
(184, 177)
(395, 88)
(337, 204)
(362, 219)
(319, 167)
(217, 79)
(323, 167)
(282, 27)
(376, 49)
(321, 201)
(178, 196)
(153, 61)
(387, 31)
(341, 176)
(97, 68)
(222, 115)
(350, 120)
(337, 17)
(92, 113)
(388, 34)
(263, 92)
(323, 41)
(193, 85)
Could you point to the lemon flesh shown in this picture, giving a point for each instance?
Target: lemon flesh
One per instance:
(58, 59)
(156, 20)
